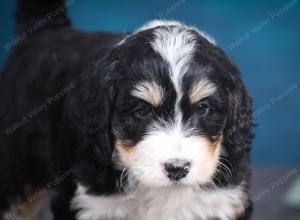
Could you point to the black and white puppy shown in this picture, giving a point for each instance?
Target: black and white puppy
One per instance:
(157, 124)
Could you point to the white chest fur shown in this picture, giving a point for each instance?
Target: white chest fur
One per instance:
(178, 203)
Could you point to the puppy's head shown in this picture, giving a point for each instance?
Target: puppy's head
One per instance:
(173, 103)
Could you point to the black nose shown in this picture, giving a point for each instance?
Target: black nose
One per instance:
(177, 169)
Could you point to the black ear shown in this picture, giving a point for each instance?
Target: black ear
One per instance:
(238, 133)
(89, 110)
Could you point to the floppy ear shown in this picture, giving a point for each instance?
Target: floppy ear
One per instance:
(89, 108)
(238, 132)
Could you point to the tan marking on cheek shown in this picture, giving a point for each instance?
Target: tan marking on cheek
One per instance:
(151, 92)
(210, 162)
(214, 147)
(201, 89)
(125, 151)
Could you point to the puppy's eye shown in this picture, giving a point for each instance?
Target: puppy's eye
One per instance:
(143, 111)
(202, 108)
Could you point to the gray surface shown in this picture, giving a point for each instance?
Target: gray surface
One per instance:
(268, 189)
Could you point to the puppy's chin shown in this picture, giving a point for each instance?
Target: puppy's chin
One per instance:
(146, 161)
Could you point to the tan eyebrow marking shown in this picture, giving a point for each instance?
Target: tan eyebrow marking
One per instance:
(150, 92)
(201, 89)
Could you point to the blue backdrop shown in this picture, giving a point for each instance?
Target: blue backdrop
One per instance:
(263, 37)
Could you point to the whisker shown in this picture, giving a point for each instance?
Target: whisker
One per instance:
(225, 172)
(227, 168)
(122, 178)
(223, 158)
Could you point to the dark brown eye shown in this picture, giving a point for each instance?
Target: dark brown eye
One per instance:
(202, 108)
(143, 111)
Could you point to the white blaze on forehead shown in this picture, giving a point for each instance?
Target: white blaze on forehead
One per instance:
(176, 45)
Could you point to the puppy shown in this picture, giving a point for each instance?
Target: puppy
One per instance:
(156, 124)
